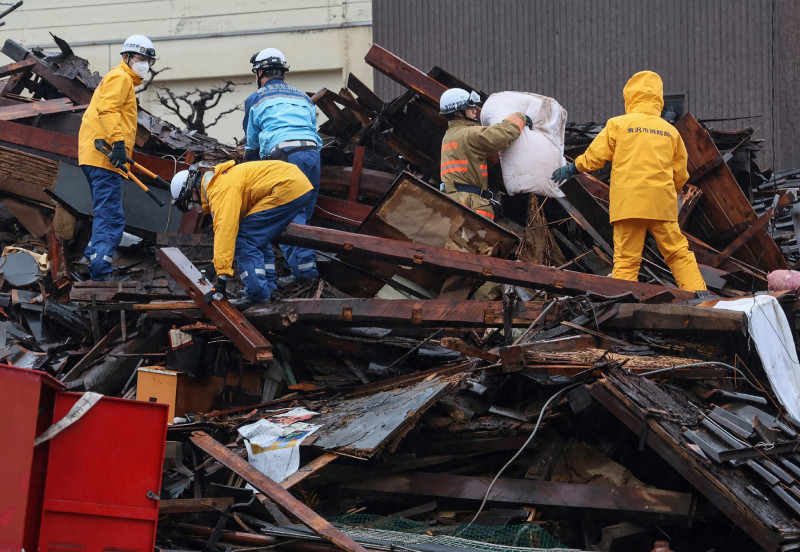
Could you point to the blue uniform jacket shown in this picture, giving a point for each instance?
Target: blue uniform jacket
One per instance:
(275, 113)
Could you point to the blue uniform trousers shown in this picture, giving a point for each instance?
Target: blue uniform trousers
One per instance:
(109, 219)
(254, 245)
(301, 260)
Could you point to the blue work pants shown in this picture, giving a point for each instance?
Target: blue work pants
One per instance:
(301, 260)
(108, 222)
(254, 245)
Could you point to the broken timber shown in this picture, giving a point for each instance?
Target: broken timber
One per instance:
(726, 204)
(474, 266)
(254, 346)
(393, 312)
(275, 492)
(665, 506)
(407, 75)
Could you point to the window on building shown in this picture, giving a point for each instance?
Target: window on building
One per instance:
(675, 106)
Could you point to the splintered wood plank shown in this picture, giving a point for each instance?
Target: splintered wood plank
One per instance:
(71, 88)
(726, 206)
(32, 109)
(404, 73)
(280, 496)
(25, 175)
(254, 347)
(365, 94)
(471, 265)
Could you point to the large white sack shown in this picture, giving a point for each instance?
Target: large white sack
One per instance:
(531, 159)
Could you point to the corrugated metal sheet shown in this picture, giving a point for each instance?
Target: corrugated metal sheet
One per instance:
(718, 52)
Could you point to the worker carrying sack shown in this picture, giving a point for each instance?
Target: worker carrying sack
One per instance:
(530, 160)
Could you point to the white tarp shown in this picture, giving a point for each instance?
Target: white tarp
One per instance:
(530, 160)
(772, 336)
(273, 443)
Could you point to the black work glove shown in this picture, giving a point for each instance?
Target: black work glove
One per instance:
(217, 293)
(528, 122)
(118, 156)
(563, 173)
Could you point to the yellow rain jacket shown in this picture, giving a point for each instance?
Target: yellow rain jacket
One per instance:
(649, 157)
(111, 115)
(466, 148)
(233, 192)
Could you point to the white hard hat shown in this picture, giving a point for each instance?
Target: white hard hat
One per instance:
(181, 187)
(270, 59)
(178, 183)
(139, 44)
(457, 99)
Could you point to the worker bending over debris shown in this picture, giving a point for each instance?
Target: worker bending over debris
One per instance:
(251, 204)
(280, 122)
(648, 170)
(111, 116)
(467, 147)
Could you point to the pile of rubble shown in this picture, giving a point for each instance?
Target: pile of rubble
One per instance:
(383, 407)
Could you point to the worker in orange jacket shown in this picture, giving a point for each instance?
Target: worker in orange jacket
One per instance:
(111, 116)
(648, 171)
(251, 204)
(467, 147)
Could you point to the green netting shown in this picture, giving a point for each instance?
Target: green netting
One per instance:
(524, 535)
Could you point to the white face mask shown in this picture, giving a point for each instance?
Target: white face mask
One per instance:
(140, 68)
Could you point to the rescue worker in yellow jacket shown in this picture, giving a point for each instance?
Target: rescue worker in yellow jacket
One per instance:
(251, 204)
(111, 116)
(467, 147)
(648, 171)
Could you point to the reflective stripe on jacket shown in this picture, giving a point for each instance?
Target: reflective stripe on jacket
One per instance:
(236, 191)
(647, 153)
(111, 115)
(467, 146)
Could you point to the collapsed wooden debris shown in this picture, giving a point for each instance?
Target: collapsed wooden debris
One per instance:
(394, 395)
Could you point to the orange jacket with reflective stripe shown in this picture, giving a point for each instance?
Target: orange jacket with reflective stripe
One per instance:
(467, 145)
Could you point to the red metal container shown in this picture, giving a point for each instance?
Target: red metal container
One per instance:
(26, 410)
(102, 477)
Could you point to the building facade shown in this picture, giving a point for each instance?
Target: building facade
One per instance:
(205, 43)
(719, 59)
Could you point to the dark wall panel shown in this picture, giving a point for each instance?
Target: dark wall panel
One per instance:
(719, 52)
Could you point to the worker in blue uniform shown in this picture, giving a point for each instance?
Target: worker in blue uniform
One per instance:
(280, 123)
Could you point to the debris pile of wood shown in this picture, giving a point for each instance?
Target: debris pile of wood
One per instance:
(386, 406)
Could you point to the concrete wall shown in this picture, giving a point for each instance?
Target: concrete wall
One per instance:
(205, 42)
(732, 58)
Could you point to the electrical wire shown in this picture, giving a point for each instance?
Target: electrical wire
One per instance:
(523, 447)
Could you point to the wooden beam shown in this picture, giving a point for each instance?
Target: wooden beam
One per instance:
(254, 347)
(676, 317)
(393, 312)
(280, 496)
(725, 204)
(358, 167)
(308, 470)
(16, 67)
(59, 271)
(36, 138)
(341, 211)
(467, 264)
(365, 94)
(644, 503)
(93, 354)
(32, 109)
(194, 505)
(404, 73)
